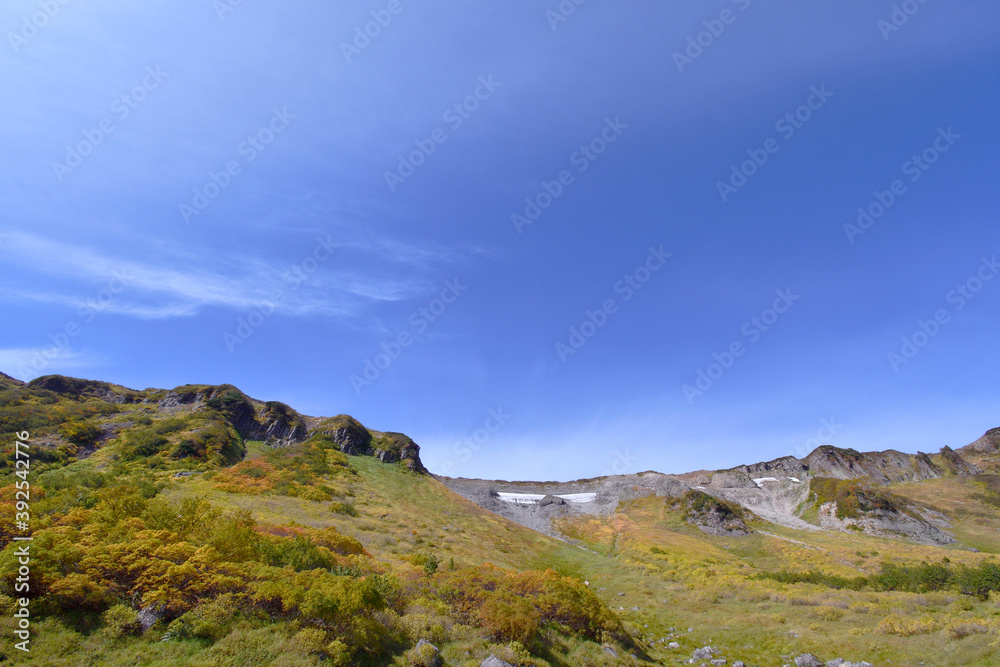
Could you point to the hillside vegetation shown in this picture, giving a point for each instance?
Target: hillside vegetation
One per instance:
(199, 526)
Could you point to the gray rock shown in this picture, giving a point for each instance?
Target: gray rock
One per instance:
(610, 650)
(808, 660)
(494, 661)
(673, 645)
(738, 663)
(703, 653)
(150, 615)
(719, 661)
(551, 500)
(436, 660)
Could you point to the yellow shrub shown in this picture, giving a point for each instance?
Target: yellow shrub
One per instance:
(963, 629)
(830, 613)
(906, 627)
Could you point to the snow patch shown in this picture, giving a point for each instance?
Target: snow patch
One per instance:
(758, 480)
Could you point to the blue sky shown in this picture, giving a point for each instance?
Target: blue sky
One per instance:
(198, 193)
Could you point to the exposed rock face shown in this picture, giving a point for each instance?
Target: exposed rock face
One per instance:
(886, 523)
(881, 467)
(150, 615)
(608, 492)
(179, 398)
(551, 500)
(353, 438)
(956, 464)
(393, 447)
(713, 516)
(988, 444)
(275, 423)
(787, 465)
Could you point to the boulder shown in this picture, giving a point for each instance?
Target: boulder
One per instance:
(703, 653)
(494, 661)
(427, 653)
(551, 500)
(808, 660)
(150, 615)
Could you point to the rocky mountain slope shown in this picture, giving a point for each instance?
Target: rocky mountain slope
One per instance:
(781, 491)
(201, 526)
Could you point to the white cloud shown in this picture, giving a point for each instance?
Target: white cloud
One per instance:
(26, 364)
(151, 291)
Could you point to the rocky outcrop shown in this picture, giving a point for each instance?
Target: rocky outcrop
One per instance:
(956, 465)
(551, 500)
(888, 467)
(352, 438)
(713, 516)
(275, 423)
(604, 495)
(889, 523)
(393, 447)
(181, 397)
(988, 444)
(151, 614)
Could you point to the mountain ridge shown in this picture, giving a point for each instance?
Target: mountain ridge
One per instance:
(198, 521)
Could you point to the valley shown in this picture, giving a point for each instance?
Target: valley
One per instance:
(199, 526)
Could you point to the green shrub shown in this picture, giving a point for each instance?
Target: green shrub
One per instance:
(343, 507)
(121, 620)
(82, 434)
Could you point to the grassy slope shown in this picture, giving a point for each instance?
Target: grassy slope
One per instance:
(692, 581)
(701, 582)
(698, 581)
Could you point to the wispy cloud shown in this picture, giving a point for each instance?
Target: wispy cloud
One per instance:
(26, 364)
(148, 290)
